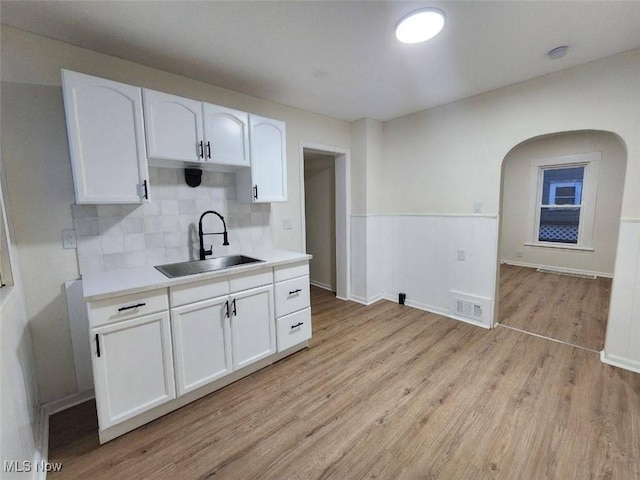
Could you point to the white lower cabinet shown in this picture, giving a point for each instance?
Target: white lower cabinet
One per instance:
(293, 329)
(213, 337)
(202, 343)
(253, 334)
(293, 304)
(132, 367)
(144, 357)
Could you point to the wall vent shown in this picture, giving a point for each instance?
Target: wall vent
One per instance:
(471, 307)
(468, 309)
(567, 273)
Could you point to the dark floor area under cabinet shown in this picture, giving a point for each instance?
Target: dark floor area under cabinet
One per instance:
(386, 392)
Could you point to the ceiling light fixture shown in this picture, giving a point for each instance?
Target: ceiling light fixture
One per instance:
(558, 52)
(420, 25)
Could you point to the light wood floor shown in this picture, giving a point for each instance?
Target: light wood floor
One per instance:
(386, 392)
(569, 309)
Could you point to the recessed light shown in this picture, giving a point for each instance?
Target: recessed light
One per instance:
(420, 25)
(558, 52)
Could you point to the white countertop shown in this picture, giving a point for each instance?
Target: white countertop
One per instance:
(121, 282)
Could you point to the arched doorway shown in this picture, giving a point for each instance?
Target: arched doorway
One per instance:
(560, 203)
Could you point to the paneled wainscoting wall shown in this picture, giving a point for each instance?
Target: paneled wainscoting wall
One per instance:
(433, 259)
(622, 342)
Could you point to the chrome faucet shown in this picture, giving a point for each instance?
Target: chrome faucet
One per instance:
(201, 234)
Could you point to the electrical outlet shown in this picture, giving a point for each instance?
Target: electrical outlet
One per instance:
(518, 254)
(462, 255)
(68, 239)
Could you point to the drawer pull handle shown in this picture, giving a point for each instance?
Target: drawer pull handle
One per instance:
(297, 325)
(121, 309)
(226, 309)
(233, 304)
(97, 345)
(293, 292)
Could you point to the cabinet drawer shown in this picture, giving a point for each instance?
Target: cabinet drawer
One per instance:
(246, 281)
(127, 306)
(293, 270)
(198, 291)
(292, 295)
(293, 329)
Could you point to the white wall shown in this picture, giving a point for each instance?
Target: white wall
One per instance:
(443, 159)
(320, 219)
(40, 188)
(19, 405)
(516, 228)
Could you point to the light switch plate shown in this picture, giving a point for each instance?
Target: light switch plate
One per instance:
(462, 255)
(287, 224)
(477, 206)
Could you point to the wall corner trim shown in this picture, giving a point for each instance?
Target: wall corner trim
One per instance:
(620, 362)
(46, 410)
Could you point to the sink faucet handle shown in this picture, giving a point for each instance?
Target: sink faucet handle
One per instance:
(210, 251)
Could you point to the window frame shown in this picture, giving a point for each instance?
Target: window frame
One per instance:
(588, 195)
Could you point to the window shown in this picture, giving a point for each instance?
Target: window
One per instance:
(561, 204)
(564, 191)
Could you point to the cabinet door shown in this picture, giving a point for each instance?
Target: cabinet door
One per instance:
(106, 139)
(252, 326)
(173, 126)
(266, 181)
(133, 367)
(226, 134)
(201, 343)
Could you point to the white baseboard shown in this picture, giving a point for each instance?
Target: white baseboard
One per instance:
(620, 362)
(324, 286)
(46, 410)
(557, 269)
(367, 301)
(438, 311)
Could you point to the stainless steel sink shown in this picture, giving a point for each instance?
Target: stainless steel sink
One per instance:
(181, 269)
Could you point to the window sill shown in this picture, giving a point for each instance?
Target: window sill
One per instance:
(561, 246)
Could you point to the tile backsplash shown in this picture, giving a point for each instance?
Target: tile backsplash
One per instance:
(165, 230)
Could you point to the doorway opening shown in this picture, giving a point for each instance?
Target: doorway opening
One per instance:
(325, 199)
(560, 204)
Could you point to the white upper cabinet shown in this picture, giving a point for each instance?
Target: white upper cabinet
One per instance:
(174, 127)
(186, 130)
(226, 135)
(266, 181)
(106, 139)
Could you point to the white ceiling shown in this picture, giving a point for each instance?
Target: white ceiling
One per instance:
(340, 58)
